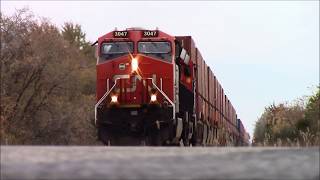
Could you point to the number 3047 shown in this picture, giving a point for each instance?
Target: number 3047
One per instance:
(150, 33)
(120, 33)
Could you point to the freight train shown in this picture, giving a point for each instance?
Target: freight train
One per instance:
(156, 89)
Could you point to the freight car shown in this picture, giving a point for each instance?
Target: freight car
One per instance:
(156, 89)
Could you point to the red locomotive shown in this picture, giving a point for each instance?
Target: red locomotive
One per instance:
(156, 89)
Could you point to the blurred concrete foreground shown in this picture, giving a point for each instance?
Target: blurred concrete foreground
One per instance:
(97, 162)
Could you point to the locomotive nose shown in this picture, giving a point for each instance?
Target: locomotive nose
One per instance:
(128, 65)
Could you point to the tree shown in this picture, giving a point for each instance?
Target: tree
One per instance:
(74, 34)
(312, 114)
(289, 124)
(41, 97)
(277, 123)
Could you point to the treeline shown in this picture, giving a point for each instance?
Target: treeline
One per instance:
(47, 82)
(290, 124)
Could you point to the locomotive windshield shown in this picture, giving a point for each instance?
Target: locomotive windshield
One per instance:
(160, 50)
(110, 50)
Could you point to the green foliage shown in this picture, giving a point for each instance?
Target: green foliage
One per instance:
(289, 124)
(74, 34)
(312, 114)
(43, 96)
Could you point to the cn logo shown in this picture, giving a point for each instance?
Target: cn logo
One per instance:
(133, 83)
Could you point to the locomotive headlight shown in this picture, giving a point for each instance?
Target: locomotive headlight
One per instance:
(114, 99)
(153, 98)
(134, 64)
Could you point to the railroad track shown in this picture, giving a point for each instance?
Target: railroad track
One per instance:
(100, 162)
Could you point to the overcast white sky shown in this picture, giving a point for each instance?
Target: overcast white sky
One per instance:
(261, 52)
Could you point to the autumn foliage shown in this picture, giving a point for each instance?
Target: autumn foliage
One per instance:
(290, 124)
(47, 83)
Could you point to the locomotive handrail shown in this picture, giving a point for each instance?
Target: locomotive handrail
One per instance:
(164, 94)
(102, 99)
(115, 83)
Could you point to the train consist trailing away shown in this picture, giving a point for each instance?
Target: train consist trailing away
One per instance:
(156, 89)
